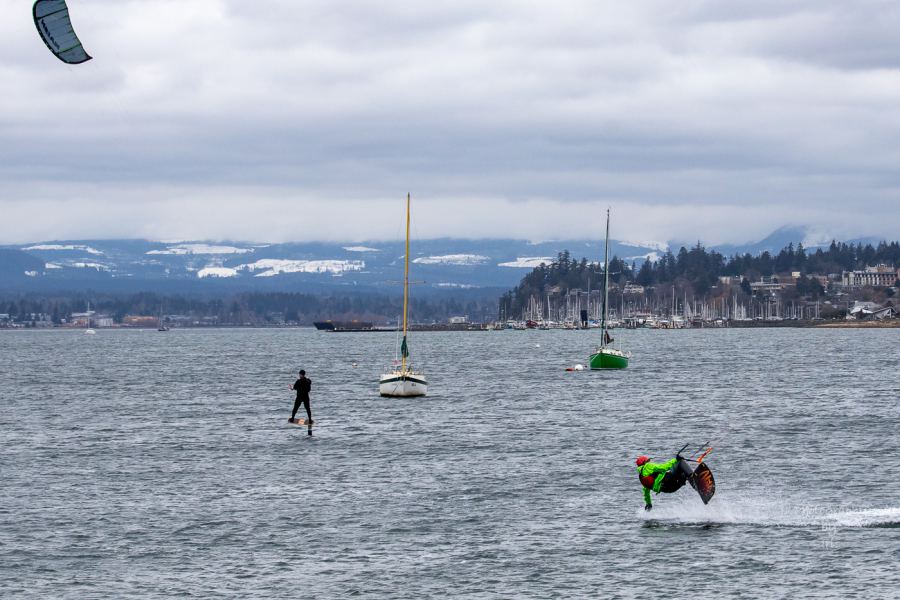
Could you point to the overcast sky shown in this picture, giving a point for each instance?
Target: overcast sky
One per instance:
(296, 120)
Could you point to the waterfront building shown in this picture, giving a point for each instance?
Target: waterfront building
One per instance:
(82, 319)
(877, 276)
(871, 311)
(766, 284)
(140, 321)
(103, 321)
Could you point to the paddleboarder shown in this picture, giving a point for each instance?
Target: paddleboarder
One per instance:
(667, 477)
(302, 386)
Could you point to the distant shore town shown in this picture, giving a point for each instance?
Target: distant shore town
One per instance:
(787, 299)
(865, 297)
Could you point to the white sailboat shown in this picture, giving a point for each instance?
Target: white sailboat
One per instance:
(88, 331)
(160, 325)
(404, 382)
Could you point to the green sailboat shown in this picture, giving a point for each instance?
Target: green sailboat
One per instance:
(606, 357)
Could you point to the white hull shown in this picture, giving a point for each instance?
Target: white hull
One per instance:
(397, 385)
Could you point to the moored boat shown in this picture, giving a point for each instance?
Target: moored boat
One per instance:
(404, 382)
(606, 357)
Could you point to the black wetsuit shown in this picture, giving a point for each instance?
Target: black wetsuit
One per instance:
(302, 386)
(676, 477)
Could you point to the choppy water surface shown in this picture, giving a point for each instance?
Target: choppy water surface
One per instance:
(145, 464)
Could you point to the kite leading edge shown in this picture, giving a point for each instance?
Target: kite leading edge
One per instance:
(51, 17)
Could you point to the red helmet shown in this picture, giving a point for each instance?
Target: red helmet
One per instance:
(642, 460)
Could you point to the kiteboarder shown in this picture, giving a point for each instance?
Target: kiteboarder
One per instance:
(302, 387)
(667, 477)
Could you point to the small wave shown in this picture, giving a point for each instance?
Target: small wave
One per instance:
(772, 513)
(873, 517)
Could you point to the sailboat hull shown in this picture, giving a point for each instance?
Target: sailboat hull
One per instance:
(402, 386)
(607, 358)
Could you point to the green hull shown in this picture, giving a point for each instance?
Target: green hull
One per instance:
(604, 359)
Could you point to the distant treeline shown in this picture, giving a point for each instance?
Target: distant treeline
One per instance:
(248, 308)
(696, 270)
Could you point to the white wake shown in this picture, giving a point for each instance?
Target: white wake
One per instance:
(766, 512)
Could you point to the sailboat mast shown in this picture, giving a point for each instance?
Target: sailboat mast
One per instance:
(605, 283)
(405, 284)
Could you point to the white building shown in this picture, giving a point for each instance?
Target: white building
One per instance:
(766, 284)
(879, 275)
(871, 311)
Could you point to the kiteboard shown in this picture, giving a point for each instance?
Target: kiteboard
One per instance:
(702, 481)
(304, 422)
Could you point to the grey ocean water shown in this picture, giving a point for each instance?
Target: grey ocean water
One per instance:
(149, 465)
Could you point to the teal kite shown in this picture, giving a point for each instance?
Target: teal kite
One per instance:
(51, 17)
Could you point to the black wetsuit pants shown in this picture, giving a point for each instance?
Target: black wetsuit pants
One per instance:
(304, 400)
(676, 477)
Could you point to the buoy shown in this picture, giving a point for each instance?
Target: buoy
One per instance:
(579, 367)
(537, 345)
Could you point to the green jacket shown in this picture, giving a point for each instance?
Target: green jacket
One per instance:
(657, 470)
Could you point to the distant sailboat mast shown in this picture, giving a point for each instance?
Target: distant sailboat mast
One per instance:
(604, 335)
(404, 349)
(606, 357)
(88, 329)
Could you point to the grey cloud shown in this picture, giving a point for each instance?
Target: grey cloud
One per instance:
(486, 106)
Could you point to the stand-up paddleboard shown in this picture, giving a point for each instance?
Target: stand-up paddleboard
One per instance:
(703, 482)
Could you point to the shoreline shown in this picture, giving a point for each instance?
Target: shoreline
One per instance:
(886, 324)
(892, 324)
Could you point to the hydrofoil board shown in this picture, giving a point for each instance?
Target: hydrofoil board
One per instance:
(702, 481)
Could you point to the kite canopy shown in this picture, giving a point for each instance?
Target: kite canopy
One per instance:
(51, 17)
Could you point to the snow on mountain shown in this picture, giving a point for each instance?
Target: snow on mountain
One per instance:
(90, 265)
(216, 272)
(817, 238)
(183, 249)
(778, 239)
(459, 286)
(657, 246)
(452, 259)
(527, 262)
(276, 266)
(68, 247)
(447, 264)
(651, 256)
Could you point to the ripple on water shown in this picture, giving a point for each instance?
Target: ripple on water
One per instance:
(137, 465)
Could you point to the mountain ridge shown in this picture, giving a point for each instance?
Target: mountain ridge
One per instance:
(445, 264)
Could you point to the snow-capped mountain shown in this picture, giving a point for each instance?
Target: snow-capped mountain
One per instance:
(810, 237)
(443, 264)
(196, 265)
